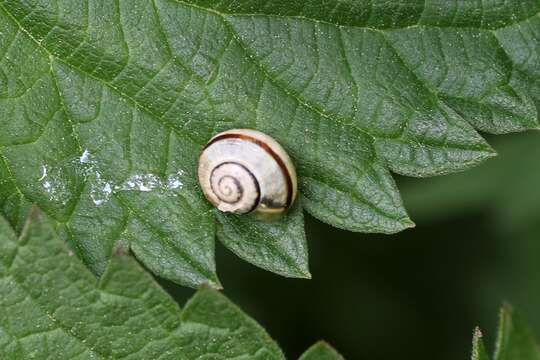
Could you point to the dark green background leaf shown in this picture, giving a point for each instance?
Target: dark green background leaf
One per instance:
(104, 107)
(515, 340)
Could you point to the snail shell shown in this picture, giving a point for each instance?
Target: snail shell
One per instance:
(242, 171)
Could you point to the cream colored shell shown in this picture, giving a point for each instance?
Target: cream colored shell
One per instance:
(243, 170)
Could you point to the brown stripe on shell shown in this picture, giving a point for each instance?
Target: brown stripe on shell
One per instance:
(269, 151)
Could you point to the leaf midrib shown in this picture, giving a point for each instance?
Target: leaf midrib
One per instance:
(367, 27)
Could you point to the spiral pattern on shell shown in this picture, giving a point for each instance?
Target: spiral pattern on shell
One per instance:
(235, 186)
(241, 171)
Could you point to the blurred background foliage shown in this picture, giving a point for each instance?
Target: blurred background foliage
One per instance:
(418, 294)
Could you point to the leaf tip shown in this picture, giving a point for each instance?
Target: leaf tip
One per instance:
(397, 226)
(407, 223)
(535, 124)
(477, 334)
(506, 309)
(490, 152)
(321, 350)
(299, 270)
(305, 275)
(214, 284)
(485, 154)
(478, 350)
(297, 273)
(323, 344)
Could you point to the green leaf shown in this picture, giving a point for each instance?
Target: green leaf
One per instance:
(213, 325)
(479, 351)
(275, 245)
(515, 340)
(102, 101)
(321, 351)
(52, 307)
